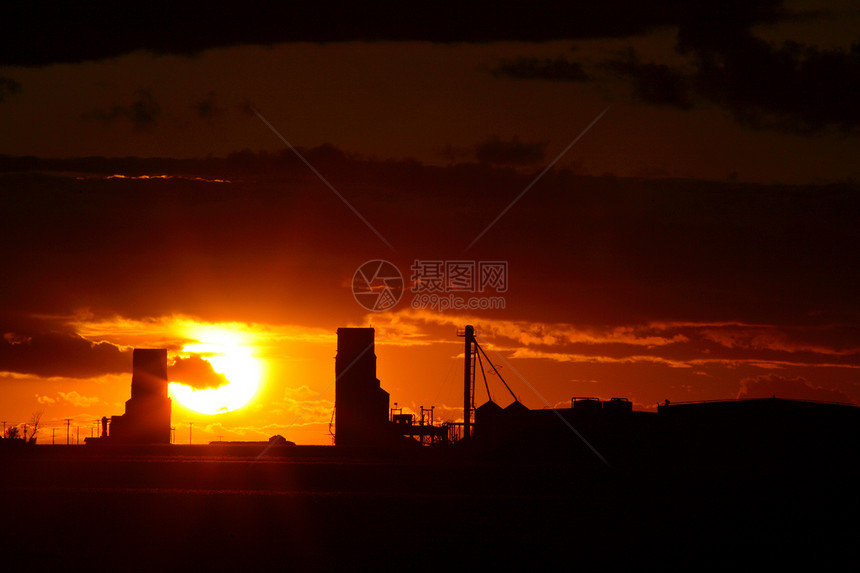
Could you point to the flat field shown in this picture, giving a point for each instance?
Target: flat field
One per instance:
(319, 509)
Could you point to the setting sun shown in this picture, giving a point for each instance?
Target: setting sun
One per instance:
(228, 356)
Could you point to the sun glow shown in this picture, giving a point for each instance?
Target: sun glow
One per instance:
(227, 354)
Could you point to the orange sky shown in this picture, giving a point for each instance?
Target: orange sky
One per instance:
(695, 241)
(419, 363)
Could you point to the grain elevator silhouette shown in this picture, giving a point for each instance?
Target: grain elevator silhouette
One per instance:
(361, 405)
(147, 412)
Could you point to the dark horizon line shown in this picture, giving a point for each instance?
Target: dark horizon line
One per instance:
(264, 163)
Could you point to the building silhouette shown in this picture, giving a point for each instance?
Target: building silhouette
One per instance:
(755, 432)
(361, 405)
(147, 412)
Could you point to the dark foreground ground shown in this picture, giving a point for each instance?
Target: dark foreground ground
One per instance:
(315, 509)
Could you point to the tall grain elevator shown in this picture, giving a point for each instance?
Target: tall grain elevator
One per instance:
(147, 412)
(361, 405)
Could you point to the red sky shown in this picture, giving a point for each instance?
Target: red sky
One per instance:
(696, 242)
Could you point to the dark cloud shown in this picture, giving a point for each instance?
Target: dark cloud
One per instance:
(143, 112)
(514, 152)
(653, 83)
(558, 69)
(46, 348)
(718, 25)
(276, 244)
(9, 88)
(457, 154)
(196, 372)
(39, 33)
(770, 385)
(793, 87)
(790, 87)
(206, 107)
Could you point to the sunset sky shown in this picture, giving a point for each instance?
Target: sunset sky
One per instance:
(674, 190)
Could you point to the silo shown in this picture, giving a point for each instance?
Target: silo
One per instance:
(147, 412)
(361, 405)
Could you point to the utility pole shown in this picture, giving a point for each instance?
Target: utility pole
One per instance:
(189, 432)
(53, 433)
(469, 335)
(68, 427)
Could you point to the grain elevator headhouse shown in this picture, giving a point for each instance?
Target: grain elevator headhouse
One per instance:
(361, 405)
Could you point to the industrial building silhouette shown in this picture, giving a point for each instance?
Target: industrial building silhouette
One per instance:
(361, 405)
(147, 412)
(591, 430)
